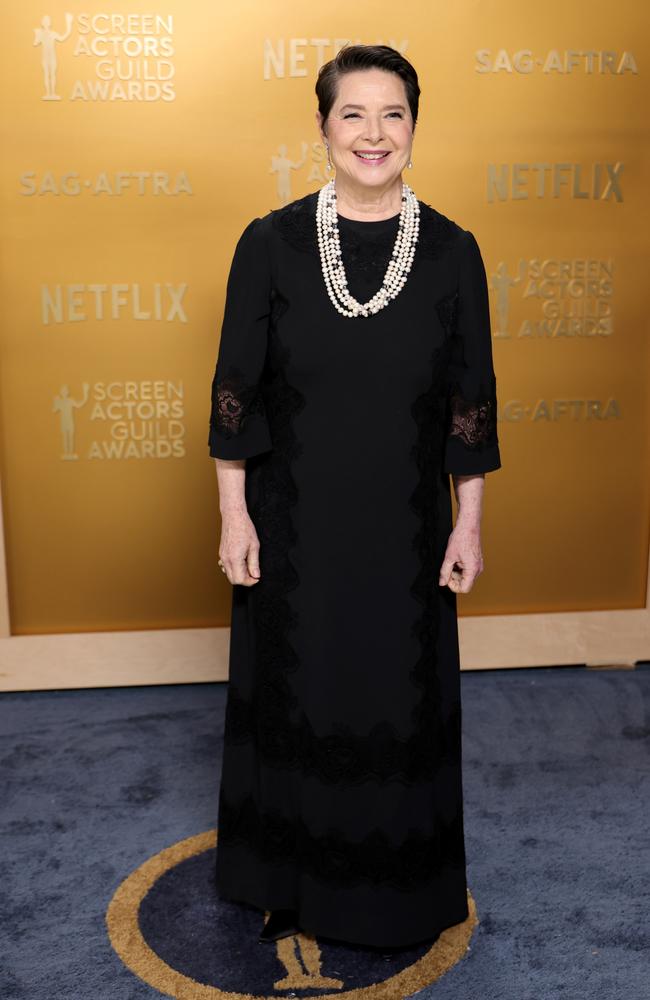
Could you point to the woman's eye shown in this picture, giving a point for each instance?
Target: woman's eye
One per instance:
(354, 114)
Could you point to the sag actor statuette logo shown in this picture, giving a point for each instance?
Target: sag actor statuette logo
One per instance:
(122, 57)
(127, 420)
(565, 298)
(190, 957)
(313, 157)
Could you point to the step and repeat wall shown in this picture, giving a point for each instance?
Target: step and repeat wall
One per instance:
(139, 142)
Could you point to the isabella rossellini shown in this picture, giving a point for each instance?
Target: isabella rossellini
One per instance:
(354, 384)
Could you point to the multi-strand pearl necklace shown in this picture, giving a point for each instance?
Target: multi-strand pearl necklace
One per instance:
(329, 246)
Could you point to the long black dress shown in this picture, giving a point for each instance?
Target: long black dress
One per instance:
(341, 790)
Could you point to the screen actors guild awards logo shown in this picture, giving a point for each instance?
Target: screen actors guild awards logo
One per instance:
(301, 957)
(501, 283)
(66, 405)
(47, 39)
(573, 297)
(128, 420)
(115, 56)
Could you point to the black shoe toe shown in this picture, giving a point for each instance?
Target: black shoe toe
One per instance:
(281, 923)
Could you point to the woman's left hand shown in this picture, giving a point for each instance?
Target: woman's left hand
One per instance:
(463, 561)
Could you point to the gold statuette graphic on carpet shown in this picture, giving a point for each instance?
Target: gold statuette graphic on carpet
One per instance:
(170, 928)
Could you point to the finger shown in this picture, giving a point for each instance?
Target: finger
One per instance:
(458, 579)
(445, 571)
(467, 580)
(228, 569)
(253, 562)
(241, 574)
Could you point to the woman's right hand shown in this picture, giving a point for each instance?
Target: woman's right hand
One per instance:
(239, 548)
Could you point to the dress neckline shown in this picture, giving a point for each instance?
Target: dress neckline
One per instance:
(296, 223)
(368, 222)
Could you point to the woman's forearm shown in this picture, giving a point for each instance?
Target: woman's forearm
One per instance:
(469, 496)
(231, 479)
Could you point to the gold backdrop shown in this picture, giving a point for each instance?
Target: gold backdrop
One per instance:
(139, 143)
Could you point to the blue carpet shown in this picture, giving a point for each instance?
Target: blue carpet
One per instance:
(556, 782)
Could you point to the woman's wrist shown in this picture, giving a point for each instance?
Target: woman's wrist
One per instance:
(233, 507)
(468, 520)
(469, 500)
(231, 476)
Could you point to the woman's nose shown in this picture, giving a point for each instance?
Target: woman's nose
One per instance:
(374, 133)
(374, 130)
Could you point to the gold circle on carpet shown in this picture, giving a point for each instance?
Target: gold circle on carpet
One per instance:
(127, 940)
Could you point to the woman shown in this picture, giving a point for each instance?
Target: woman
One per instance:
(345, 394)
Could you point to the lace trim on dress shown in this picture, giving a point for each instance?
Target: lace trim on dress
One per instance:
(233, 401)
(271, 514)
(369, 254)
(296, 222)
(342, 755)
(437, 722)
(474, 422)
(447, 309)
(338, 861)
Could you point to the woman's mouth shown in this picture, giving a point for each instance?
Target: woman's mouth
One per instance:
(370, 157)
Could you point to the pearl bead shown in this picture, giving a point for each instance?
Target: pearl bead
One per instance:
(329, 247)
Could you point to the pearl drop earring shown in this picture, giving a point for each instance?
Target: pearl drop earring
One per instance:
(329, 162)
(410, 164)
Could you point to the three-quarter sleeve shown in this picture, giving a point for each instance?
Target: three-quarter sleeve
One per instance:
(471, 442)
(238, 422)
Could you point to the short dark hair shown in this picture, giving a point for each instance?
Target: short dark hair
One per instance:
(355, 57)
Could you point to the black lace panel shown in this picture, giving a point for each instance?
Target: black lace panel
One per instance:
(296, 223)
(342, 756)
(474, 421)
(265, 719)
(447, 309)
(233, 400)
(335, 859)
(437, 725)
(367, 256)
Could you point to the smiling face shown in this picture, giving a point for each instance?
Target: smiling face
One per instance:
(370, 115)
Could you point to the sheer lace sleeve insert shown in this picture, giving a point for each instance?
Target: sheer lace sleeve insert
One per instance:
(472, 444)
(238, 423)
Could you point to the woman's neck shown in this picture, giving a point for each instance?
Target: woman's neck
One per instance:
(368, 204)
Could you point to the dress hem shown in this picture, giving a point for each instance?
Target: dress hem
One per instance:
(336, 935)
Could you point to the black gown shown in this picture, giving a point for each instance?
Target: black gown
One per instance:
(341, 791)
